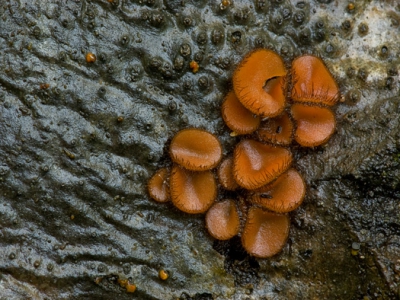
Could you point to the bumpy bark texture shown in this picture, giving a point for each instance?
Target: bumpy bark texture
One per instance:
(79, 140)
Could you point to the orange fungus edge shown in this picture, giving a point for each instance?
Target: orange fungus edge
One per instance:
(195, 149)
(251, 78)
(194, 66)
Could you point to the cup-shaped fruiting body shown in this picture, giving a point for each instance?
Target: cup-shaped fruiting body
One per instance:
(195, 149)
(222, 220)
(259, 83)
(192, 192)
(225, 175)
(158, 186)
(238, 118)
(312, 81)
(283, 195)
(265, 233)
(278, 130)
(256, 164)
(314, 124)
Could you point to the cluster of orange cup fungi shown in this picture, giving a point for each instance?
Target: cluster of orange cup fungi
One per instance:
(267, 109)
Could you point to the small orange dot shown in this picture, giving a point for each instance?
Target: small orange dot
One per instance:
(90, 57)
(122, 282)
(44, 86)
(130, 287)
(98, 280)
(163, 275)
(194, 66)
(72, 217)
(120, 119)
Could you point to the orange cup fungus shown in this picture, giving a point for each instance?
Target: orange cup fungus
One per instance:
(225, 175)
(222, 220)
(256, 164)
(192, 192)
(158, 186)
(238, 118)
(259, 82)
(265, 233)
(315, 124)
(278, 130)
(312, 81)
(130, 287)
(260, 169)
(283, 195)
(195, 149)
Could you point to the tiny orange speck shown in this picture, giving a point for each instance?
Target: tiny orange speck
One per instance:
(90, 57)
(123, 282)
(163, 275)
(98, 280)
(130, 287)
(194, 66)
